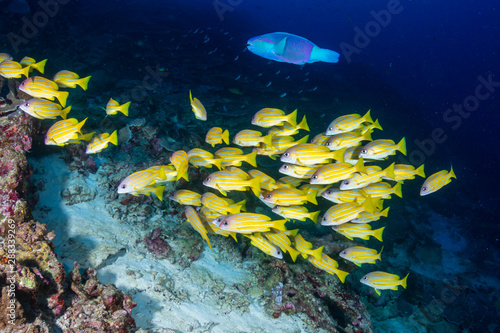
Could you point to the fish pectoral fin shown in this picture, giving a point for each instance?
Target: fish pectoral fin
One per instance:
(279, 48)
(395, 288)
(377, 291)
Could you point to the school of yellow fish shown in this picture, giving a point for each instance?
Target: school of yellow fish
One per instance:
(332, 166)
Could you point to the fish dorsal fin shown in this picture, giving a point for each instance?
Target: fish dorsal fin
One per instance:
(279, 48)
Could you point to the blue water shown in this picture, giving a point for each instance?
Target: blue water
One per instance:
(411, 66)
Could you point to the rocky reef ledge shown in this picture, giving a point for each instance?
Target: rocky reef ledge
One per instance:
(35, 291)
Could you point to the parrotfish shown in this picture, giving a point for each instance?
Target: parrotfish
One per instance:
(293, 49)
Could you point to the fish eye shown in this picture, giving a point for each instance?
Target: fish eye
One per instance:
(424, 188)
(268, 196)
(286, 154)
(363, 151)
(315, 177)
(330, 128)
(225, 223)
(285, 167)
(328, 192)
(208, 179)
(346, 182)
(123, 186)
(27, 104)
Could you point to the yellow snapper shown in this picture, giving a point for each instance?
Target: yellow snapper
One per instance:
(305, 248)
(247, 223)
(198, 108)
(367, 217)
(67, 79)
(347, 139)
(383, 190)
(310, 154)
(334, 172)
(230, 181)
(44, 109)
(358, 181)
(199, 157)
(266, 182)
(63, 131)
(340, 196)
(5, 56)
(328, 265)
(280, 239)
(148, 189)
(251, 138)
(101, 141)
(166, 173)
(298, 171)
(289, 182)
(195, 221)
(321, 139)
(355, 230)
(41, 87)
(113, 107)
(215, 136)
(318, 189)
(180, 160)
(437, 181)
(381, 148)
(404, 171)
(186, 197)
(348, 123)
(11, 69)
(279, 145)
(359, 255)
(370, 127)
(351, 154)
(219, 205)
(78, 138)
(268, 117)
(139, 180)
(290, 197)
(264, 245)
(231, 157)
(344, 212)
(382, 280)
(288, 129)
(215, 230)
(296, 213)
(32, 64)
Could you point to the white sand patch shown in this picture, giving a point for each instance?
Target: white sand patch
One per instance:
(199, 298)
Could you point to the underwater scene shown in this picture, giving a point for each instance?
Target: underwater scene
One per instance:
(249, 166)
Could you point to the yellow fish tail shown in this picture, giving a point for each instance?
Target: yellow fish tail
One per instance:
(25, 71)
(279, 225)
(389, 172)
(205, 237)
(451, 173)
(317, 253)
(397, 190)
(242, 205)
(378, 233)
(159, 192)
(377, 125)
(255, 186)
(64, 112)
(84, 82)
(402, 146)
(311, 197)
(124, 108)
(314, 216)
(80, 125)
(267, 140)
(62, 96)
(385, 212)
(303, 124)
(341, 275)
(88, 136)
(379, 255)
(217, 162)
(225, 136)
(367, 136)
(251, 159)
(293, 253)
(370, 205)
(338, 155)
(40, 66)
(360, 166)
(367, 117)
(303, 140)
(292, 118)
(403, 281)
(420, 171)
(113, 138)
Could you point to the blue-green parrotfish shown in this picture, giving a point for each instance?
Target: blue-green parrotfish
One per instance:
(293, 49)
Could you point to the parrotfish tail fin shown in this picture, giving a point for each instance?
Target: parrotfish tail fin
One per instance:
(267, 140)
(64, 112)
(251, 159)
(377, 125)
(389, 172)
(80, 125)
(420, 171)
(26, 71)
(303, 140)
(40, 66)
(303, 124)
(325, 55)
(205, 237)
(292, 118)
(378, 233)
(159, 191)
(225, 137)
(311, 197)
(279, 225)
(124, 108)
(314, 216)
(385, 212)
(338, 155)
(369, 205)
(217, 162)
(403, 281)
(360, 166)
(255, 186)
(402, 146)
(367, 117)
(88, 136)
(113, 138)
(317, 253)
(62, 96)
(242, 205)
(452, 174)
(341, 275)
(397, 190)
(379, 255)
(84, 83)
(293, 253)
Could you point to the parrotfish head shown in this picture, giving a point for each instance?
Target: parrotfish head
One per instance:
(261, 45)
